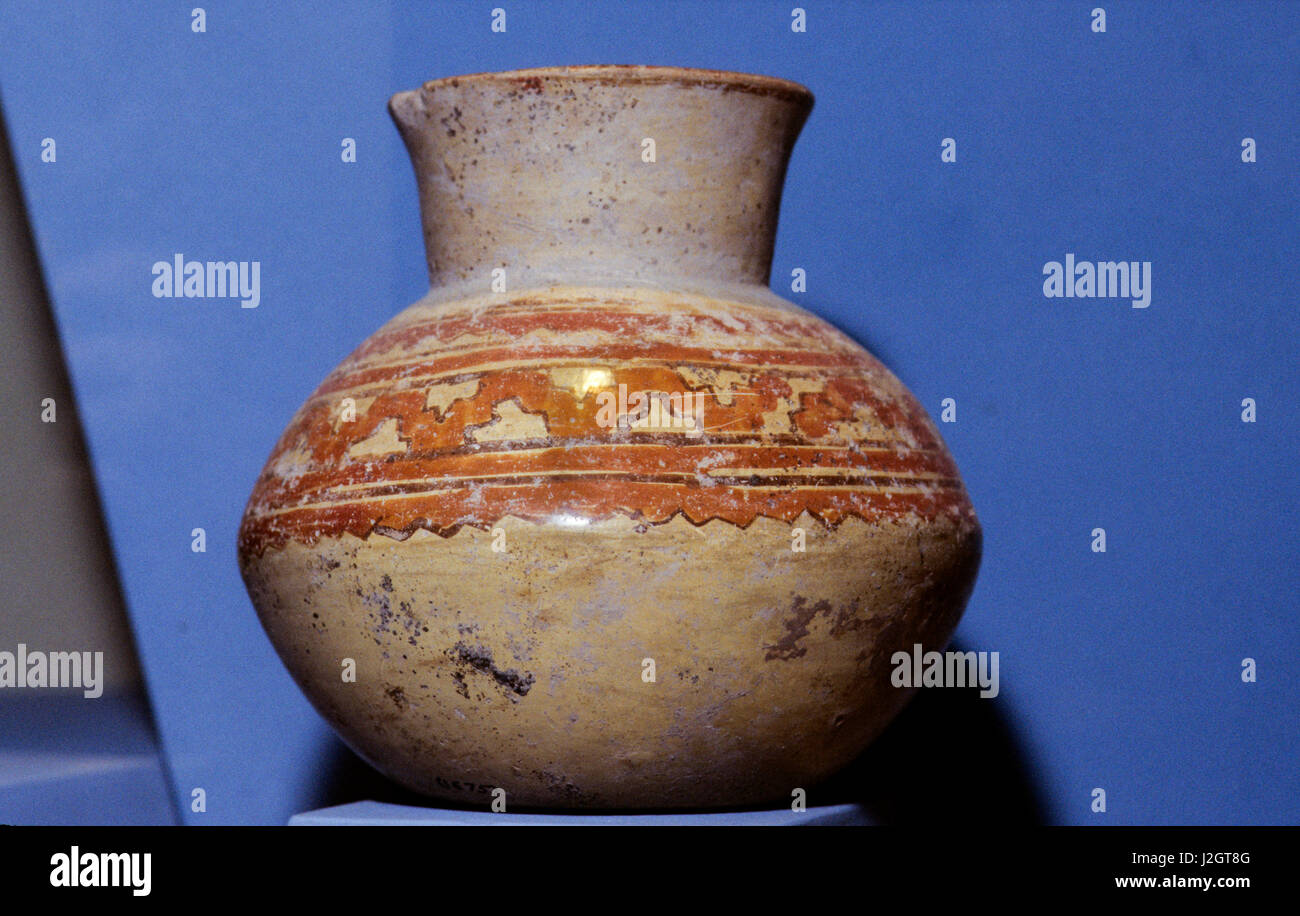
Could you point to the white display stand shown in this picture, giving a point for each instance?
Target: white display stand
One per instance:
(369, 813)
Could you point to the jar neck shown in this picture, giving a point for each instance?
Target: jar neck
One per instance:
(618, 175)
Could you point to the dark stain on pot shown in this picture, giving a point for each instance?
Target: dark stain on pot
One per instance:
(796, 628)
(561, 786)
(386, 584)
(398, 696)
(845, 620)
(479, 658)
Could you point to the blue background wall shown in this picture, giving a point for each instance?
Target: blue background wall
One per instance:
(1119, 670)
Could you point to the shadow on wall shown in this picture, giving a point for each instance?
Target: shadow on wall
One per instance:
(949, 756)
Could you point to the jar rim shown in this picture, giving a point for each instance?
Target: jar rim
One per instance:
(634, 74)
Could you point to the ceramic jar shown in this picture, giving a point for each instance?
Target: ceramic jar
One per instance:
(601, 521)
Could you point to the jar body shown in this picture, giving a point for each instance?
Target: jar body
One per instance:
(608, 547)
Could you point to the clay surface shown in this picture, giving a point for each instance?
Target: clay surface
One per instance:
(630, 531)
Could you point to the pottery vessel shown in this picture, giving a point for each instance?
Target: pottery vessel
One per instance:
(601, 521)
